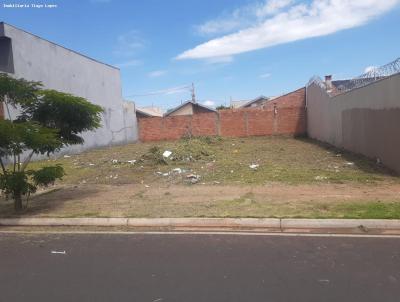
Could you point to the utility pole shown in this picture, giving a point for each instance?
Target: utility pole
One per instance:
(193, 94)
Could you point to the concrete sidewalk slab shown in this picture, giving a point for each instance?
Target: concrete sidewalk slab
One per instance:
(340, 224)
(222, 224)
(63, 221)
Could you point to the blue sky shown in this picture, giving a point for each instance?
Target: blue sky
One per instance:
(235, 49)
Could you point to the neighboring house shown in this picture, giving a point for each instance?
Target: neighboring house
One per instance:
(24, 55)
(143, 112)
(238, 104)
(189, 108)
(257, 102)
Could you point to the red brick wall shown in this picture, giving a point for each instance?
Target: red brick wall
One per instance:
(295, 98)
(284, 115)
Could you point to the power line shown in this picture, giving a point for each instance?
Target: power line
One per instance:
(164, 91)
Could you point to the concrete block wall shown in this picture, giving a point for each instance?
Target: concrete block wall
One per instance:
(364, 120)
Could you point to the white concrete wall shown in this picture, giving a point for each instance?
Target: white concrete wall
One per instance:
(64, 70)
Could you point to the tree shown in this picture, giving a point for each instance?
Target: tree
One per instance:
(222, 107)
(47, 121)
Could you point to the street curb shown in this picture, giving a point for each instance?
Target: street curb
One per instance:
(276, 224)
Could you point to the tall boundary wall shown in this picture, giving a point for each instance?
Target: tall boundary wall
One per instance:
(364, 120)
(285, 115)
(36, 59)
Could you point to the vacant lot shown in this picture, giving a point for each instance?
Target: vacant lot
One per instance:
(215, 177)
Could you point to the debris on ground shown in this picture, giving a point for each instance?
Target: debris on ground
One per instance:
(338, 155)
(131, 161)
(254, 166)
(177, 170)
(320, 177)
(67, 156)
(167, 153)
(349, 163)
(115, 161)
(154, 156)
(147, 186)
(91, 164)
(193, 178)
(58, 252)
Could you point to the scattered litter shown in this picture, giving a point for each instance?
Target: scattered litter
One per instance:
(67, 156)
(115, 161)
(378, 161)
(158, 300)
(159, 173)
(254, 166)
(90, 164)
(324, 280)
(231, 171)
(167, 153)
(320, 177)
(58, 252)
(177, 170)
(131, 161)
(147, 186)
(165, 174)
(216, 182)
(193, 178)
(349, 163)
(338, 155)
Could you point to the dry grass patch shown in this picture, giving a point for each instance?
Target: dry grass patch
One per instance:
(294, 178)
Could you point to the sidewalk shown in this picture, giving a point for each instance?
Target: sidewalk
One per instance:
(221, 224)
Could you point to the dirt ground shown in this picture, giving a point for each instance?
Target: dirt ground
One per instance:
(272, 200)
(292, 178)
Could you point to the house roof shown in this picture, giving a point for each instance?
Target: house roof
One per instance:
(187, 103)
(149, 111)
(238, 104)
(261, 97)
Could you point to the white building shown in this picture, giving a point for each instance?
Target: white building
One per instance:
(24, 55)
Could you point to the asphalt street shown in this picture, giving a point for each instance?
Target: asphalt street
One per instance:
(187, 267)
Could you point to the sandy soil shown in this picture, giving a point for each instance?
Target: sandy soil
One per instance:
(126, 200)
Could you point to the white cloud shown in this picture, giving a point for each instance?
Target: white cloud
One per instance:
(156, 73)
(130, 63)
(265, 75)
(280, 21)
(129, 44)
(241, 17)
(272, 7)
(209, 103)
(369, 69)
(220, 60)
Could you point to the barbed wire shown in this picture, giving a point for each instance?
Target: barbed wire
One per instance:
(373, 75)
